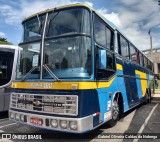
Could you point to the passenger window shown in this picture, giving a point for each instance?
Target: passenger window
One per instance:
(103, 35)
(110, 61)
(145, 62)
(137, 57)
(109, 38)
(149, 65)
(133, 53)
(124, 47)
(99, 31)
(141, 59)
(109, 71)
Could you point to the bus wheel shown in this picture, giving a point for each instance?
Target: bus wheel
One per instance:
(115, 114)
(149, 96)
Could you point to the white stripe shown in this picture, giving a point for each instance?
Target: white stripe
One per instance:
(154, 101)
(1, 131)
(4, 119)
(145, 122)
(7, 125)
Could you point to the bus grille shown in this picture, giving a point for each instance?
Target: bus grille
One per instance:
(55, 104)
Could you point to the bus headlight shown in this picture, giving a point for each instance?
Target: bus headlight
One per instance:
(73, 125)
(63, 124)
(54, 123)
(12, 115)
(17, 116)
(22, 117)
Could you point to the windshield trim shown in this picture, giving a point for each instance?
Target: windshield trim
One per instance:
(68, 35)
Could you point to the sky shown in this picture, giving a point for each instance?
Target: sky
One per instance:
(133, 17)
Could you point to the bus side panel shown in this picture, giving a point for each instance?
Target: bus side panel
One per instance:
(2, 99)
(139, 86)
(122, 88)
(105, 100)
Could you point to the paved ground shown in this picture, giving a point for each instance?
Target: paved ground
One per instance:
(143, 119)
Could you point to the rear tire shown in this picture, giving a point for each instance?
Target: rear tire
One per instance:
(148, 96)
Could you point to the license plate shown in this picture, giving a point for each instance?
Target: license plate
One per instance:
(36, 121)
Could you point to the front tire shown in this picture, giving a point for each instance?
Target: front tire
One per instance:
(115, 113)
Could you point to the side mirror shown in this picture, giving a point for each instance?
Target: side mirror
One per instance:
(102, 59)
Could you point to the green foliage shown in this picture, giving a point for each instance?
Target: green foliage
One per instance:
(4, 41)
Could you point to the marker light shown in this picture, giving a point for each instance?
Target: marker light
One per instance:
(73, 125)
(22, 117)
(17, 116)
(54, 123)
(12, 115)
(63, 124)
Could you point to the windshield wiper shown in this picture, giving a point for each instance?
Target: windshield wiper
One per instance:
(39, 24)
(51, 73)
(30, 71)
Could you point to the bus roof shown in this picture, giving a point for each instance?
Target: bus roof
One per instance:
(73, 5)
(8, 46)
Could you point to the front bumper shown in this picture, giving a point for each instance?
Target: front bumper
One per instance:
(83, 124)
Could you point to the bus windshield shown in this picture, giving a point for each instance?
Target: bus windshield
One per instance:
(67, 45)
(68, 22)
(68, 57)
(33, 28)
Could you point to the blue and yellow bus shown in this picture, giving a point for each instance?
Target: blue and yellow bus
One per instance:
(77, 71)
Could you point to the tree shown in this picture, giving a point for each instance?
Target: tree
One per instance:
(4, 41)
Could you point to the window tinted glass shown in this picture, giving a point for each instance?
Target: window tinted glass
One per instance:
(133, 53)
(145, 62)
(124, 47)
(69, 22)
(99, 31)
(6, 65)
(141, 59)
(68, 57)
(149, 65)
(108, 38)
(33, 28)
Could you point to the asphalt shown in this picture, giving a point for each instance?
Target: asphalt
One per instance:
(143, 119)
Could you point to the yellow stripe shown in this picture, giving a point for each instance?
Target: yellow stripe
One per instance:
(119, 67)
(143, 78)
(61, 85)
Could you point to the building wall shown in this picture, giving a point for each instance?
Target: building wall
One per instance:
(155, 57)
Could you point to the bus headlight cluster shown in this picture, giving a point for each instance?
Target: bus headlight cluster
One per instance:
(73, 125)
(17, 116)
(12, 115)
(63, 124)
(54, 123)
(22, 117)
